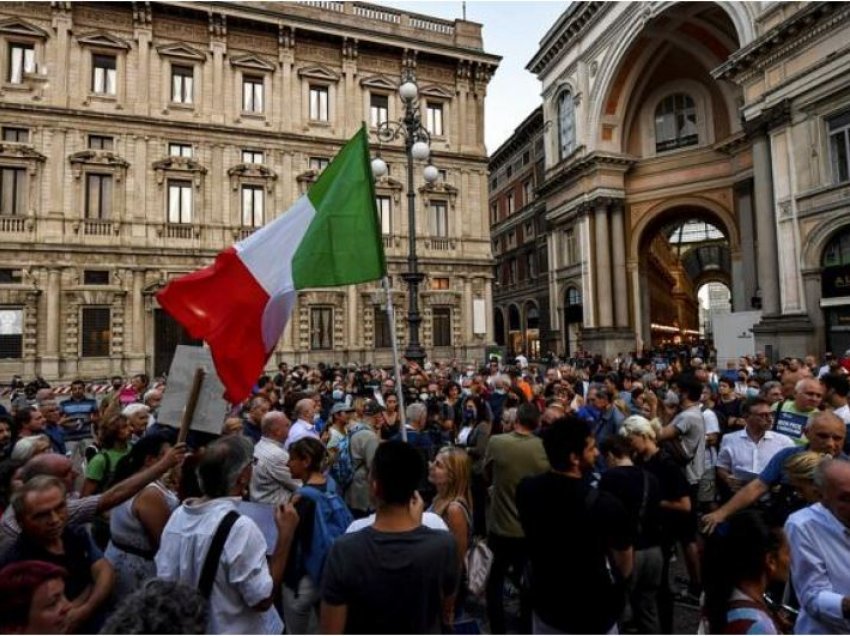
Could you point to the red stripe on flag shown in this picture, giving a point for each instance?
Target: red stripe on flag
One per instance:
(223, 304)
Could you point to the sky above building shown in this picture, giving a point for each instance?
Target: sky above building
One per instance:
(512, 30)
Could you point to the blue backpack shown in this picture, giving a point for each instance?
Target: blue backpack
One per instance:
(342, 469)
(330, 520)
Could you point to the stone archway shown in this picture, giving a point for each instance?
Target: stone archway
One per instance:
(499, 326)
(531, 333)
(667, 271)
(514, 339)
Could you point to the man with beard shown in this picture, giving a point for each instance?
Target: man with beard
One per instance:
(573, 528)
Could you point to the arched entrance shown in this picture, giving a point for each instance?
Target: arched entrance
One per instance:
(514, 330)
(677, 250)
(715, 298)
(573, 319)
(532, 330)
(499, 326)
(835, 291)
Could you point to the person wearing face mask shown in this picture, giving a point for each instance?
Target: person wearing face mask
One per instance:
(479, 426)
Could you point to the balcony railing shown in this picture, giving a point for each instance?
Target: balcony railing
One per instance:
(13, 224)
(441, 244)
(388, 241)
(97, 228)
(245, 232)
(179, 231)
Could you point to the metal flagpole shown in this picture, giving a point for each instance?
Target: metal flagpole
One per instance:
(396, 365)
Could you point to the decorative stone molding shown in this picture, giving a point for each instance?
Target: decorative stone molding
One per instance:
(18, 27)
(186, 167)
(440, 191)
(247, 171)
(286, 37)
(103, 40)
(349, 48)
(142, 15)
(380, 82)
(23, 153)
(98, 159)
(181, 51)
(318, 72)
(394, 186)
(251, 62)
(433, 90)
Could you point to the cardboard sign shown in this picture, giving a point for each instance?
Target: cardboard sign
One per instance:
(212, 407)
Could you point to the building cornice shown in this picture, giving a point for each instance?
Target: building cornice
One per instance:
(584, 165)
(778, 43)
(296, 16)
(522, 135)
(574, 21)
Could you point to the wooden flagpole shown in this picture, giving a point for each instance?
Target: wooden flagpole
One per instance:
(398, 387)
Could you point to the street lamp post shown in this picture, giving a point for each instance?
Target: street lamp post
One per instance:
(417, 148)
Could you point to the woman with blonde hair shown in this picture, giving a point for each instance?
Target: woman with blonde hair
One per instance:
(451, 475)
(675, 506)
(800, 469)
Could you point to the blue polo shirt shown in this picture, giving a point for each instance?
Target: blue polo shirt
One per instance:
(774, 473)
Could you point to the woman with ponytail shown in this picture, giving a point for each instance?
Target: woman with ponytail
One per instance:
(136, 525)
(740, 561)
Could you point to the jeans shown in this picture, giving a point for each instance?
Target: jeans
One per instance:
(301, 607)
(643, 590)
(508, 553)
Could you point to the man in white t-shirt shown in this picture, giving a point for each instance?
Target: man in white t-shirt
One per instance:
(245, 584)
(521, 360)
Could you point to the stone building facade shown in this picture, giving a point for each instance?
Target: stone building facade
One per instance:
(732, 115)
(140, 139)
(518, 232)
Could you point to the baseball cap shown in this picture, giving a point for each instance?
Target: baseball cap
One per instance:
(373, 408)
(340, 407)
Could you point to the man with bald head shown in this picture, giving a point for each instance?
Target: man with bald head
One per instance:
(820, 558)
(271, 481)
(825, 433)
(304, 412)
(83, 510)
(791, 416)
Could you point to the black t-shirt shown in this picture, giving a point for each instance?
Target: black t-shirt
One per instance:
(725, 410)
(629, 484)
(674, 486)
(392, 582)
(569, 533)
(302, 540)
(80, 554)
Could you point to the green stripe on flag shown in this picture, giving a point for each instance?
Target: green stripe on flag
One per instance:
(343, 243)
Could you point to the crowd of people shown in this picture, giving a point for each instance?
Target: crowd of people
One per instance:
(531, 498)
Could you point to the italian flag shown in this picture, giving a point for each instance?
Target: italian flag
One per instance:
(240, 305)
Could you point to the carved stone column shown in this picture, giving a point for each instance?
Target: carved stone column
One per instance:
(54, 285)
(603, 265)
(618, 256)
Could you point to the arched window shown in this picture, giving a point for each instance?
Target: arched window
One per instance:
(573, 297)
(675, 123)
(566, 124)
(837, 251)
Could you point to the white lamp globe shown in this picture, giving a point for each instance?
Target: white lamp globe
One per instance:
(430, 173)
(379, 167)
(420, 151)
(408, 91)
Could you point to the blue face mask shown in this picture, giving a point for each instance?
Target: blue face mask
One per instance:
(469, 414)
(752, 392)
